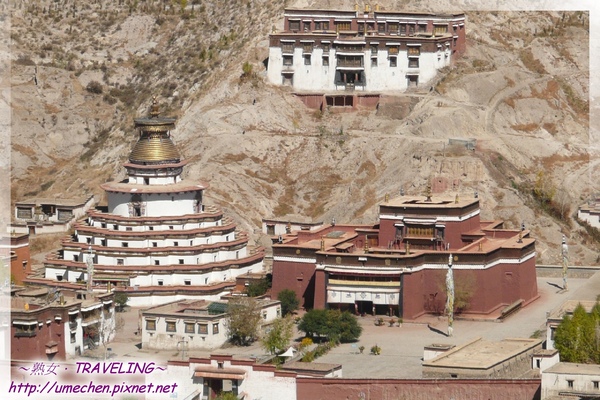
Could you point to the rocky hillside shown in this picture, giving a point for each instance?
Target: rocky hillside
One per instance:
(85, 70)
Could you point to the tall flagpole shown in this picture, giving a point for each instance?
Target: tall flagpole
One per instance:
(565, 261)
(450, 295)
(90, 268)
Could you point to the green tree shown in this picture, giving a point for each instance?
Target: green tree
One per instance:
(257, 288)
(348, 328)
(289, 301)
(331, 324)
(121, 300)
(226, 396)
(314, 323)
(577, 338)
(278, 338)
(244, 320)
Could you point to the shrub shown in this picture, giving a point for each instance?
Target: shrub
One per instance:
(94, 87)
(376, 350)
(24, 60)
(306, 342)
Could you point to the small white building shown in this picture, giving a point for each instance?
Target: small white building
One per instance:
(590, 213)
(571, 380)
(282, 226)
(41, 215)
(192, 325)
(205, 378)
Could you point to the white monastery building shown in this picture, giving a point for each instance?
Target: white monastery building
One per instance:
(156, 240)
(374, 50)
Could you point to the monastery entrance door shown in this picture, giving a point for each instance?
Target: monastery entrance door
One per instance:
(364, 307)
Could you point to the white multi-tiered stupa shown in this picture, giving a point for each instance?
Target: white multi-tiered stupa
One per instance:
(157, 241)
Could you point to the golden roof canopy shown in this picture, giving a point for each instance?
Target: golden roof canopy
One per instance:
(154, 145)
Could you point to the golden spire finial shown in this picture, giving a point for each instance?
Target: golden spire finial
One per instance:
(387, 197)
(322, 243)
(520, 237)
(366, 244)
(428, 194)
(407, 248)
(154, 109)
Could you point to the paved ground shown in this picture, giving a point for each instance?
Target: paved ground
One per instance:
(402, 347)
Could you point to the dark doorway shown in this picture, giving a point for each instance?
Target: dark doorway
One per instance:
(365, 307)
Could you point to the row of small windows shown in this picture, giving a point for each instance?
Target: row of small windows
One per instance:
(150, 228)
(570, 384)
(154, 244)
(382, 27)
(288, 48)
(189, 327)
(413, 62)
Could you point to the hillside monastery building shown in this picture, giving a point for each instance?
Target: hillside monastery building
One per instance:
(156, 240)
(398, 266)
(330, 50)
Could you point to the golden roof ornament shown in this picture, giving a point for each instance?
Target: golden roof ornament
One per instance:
(387, 197)
(456, 199)
(428, 193)
(322, 243)
(154, 113)
(154, 145)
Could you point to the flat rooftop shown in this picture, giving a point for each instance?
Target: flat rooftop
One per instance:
(569, 306)
(309, 366)
(574, 368)
(54, 201)
(179, 306)
(482, 354)
(434, 202)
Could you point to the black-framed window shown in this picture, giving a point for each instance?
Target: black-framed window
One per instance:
(171, 326)
(150, 324)
(189, 327)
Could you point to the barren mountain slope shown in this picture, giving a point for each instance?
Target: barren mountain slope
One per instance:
(521, 91)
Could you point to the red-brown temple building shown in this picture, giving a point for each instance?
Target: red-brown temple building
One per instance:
(15, 250)
(398, 266)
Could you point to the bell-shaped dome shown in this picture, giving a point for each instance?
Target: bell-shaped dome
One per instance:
(154, 145)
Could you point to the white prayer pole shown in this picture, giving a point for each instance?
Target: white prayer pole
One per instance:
(90, 268)
(565, 261)
(450, 295)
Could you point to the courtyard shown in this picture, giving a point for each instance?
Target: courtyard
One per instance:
(401, 346)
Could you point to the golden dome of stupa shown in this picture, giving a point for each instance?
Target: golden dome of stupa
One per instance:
(154, 145)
